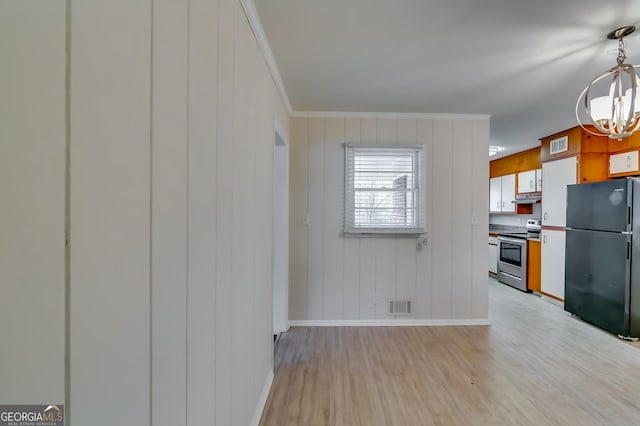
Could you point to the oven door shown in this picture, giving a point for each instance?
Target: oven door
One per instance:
(511, 251)
(512, 262)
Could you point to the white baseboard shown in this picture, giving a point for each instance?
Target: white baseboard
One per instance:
(263, 399)
(553, 301)
(389, 323)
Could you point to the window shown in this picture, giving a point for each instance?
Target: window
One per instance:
(384, 190)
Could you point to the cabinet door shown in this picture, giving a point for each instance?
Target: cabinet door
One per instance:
(527, 182)
(509, 193)
(552, 274)
(493, 258)
(538, 180)
(554, 197)
(626, 162)
(495, 195)
(533, 265)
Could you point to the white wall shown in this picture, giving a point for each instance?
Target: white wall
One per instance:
(171, 113)
(32, 201)
(347, 278)
(516, 219)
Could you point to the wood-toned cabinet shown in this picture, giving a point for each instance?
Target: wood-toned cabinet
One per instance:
(534, 268)
(512, 166)
(590, 151)
(502, 194)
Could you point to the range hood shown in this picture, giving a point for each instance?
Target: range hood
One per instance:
(528, 198)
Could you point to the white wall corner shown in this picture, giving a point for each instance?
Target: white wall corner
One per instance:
(262, 401)
(251, 13)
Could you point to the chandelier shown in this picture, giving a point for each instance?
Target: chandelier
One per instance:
(616, 114)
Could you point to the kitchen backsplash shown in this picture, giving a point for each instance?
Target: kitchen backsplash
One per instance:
(516, 219)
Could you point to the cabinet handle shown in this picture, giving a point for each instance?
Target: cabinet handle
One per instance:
(531, 184)
(544, 240)
(628, 161)
(545, 216)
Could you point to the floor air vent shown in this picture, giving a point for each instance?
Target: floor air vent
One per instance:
(400, 307)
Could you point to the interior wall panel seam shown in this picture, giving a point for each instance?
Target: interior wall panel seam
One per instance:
(151, 198)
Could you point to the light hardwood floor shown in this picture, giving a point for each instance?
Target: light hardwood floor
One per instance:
(535, 365)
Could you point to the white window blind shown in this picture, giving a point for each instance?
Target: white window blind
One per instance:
(384, 190)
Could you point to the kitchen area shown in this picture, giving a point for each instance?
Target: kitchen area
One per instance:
(532, 248)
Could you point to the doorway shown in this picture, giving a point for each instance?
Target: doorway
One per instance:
(280, 234)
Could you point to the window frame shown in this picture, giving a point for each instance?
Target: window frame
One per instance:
(419, 170)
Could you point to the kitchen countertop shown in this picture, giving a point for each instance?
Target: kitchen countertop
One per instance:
(506, 229)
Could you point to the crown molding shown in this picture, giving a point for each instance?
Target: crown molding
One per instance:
(256, 25)
(389, 115)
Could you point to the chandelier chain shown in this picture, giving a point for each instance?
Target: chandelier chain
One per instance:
(622, 56)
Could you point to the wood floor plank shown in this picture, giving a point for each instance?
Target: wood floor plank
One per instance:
(535, 365)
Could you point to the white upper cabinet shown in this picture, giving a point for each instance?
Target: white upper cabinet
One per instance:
(502, 194)
(527, 182)
(530, 181)
(554, 197)
(508, 193)
(625, 162)
(495, 195)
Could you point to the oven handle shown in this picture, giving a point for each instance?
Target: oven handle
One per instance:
(512, 240)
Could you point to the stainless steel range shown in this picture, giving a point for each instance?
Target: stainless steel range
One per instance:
(512, 260)
(512, 255)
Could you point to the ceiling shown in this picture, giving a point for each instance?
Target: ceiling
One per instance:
(523, 62)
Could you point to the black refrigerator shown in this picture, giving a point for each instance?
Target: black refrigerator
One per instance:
(602, 275)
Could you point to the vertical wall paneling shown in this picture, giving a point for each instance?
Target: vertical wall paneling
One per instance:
(424, 247)
(333, 213)
(110, 110)
(32, 194)
(443, 168)
(385, 259)
(242, 247)
(169, 212)
(479, 220)
(152, 146)
(298, 230)
(316, 219)
(201, 195)
(351, 263)
(462, 177)
(225, 223)
(368, 300)
(262, 279)
(439, 271)
(406, 248)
